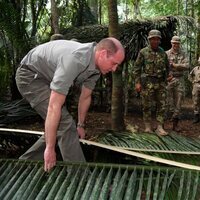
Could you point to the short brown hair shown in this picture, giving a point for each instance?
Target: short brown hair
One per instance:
(108, 45)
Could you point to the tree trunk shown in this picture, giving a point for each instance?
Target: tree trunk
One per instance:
(178, 7)
(54, 17)
(136, 11)
(117, 110)
(93, 4)
(100, 11)
(198, 32)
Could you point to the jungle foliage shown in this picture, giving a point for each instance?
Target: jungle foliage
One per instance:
(25, 24)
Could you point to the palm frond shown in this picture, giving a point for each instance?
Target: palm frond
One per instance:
(173, 147)
(27, 180)
(15, 111)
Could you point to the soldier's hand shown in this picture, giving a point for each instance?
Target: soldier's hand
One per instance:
(169, 78)
(174, 65)
(138, 87)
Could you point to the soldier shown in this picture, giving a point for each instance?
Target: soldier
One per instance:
(194, 77)
(178, 66)
(151, 69)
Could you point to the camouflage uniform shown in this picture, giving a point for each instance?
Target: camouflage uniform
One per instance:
(194, 76)
(151, 69)
(175, 87)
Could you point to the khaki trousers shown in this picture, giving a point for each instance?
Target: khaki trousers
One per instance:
(37, 92)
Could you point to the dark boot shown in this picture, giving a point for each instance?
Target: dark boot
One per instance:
(175, 124)
(196, 118)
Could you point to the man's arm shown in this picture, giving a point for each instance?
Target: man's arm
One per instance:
(180, 66)
(83, 106)
(183, 65)
(56, 102)
(137, 71)
(191, 75)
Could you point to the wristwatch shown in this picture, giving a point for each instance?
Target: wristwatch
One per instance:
(81, 125)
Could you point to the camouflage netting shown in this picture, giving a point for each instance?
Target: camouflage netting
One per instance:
(133, 34)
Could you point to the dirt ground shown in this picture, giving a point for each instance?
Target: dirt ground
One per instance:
(99, 121)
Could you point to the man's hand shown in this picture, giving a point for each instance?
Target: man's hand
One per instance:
(52, 121)
(81, 132)
(49, 159)
(138, 87)
(170, 77)
(174, 65)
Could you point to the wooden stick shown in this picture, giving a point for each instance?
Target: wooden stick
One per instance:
(22, 131)
(144, 156)
(126, 148)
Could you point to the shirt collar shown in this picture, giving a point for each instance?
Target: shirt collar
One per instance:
(92, 66)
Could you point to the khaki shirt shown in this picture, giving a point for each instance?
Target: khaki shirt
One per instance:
(180, 59)
(63, 63)
(194, 75)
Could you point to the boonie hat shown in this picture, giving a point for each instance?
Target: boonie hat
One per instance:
(176, 39)
(154, 33)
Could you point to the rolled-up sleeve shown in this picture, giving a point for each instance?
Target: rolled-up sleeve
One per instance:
(91, 81)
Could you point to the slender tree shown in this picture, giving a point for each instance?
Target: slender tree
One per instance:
(93, 4)
(136, 5)
(37, 9)
(117, 110)
(198, 30)
(54, 17)
(18, 33)
(100, 10)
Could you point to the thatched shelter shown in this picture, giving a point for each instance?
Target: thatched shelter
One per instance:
(133, 34)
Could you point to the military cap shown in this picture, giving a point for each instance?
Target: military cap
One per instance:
(176, 39)
(154, 33)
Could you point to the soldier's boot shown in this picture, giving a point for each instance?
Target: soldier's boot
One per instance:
(175, 126)
(147, 128)
(160, 131)
(196, 118)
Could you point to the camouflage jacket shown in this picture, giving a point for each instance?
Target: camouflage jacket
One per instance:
(150, 63)
(180, 59)
(194, 75)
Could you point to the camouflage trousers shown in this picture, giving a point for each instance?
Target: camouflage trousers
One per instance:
(154, 93)
(175, 94)
(196, 98)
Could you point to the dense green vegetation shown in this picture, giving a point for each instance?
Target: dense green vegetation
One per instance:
(24, 24)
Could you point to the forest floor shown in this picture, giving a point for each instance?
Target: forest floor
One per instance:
(98, 121)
